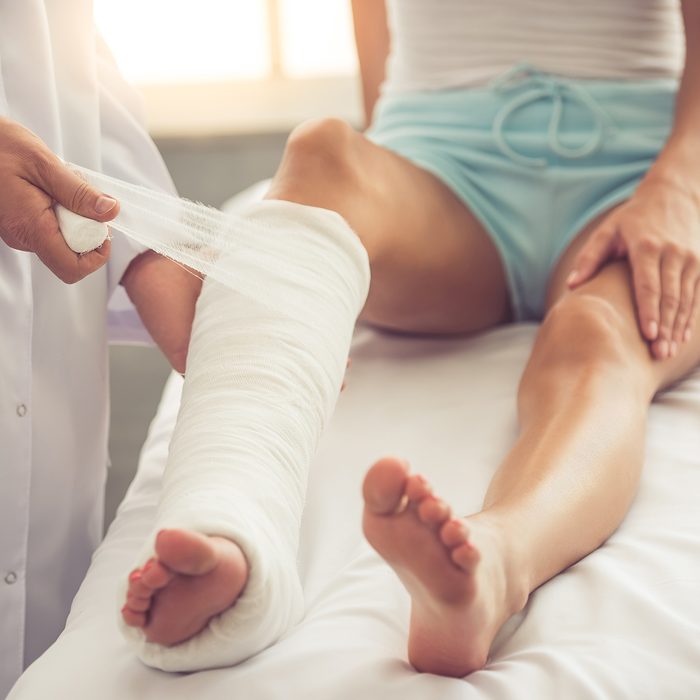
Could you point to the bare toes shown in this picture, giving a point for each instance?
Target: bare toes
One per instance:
(454, 533)
(433, 511)
(417, 488)
(185, 552)
(137, 587)
(384, 486)
(155, 575)
(133, 618)
(465, 556)
(137, 604)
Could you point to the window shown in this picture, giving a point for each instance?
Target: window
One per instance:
(211, 66)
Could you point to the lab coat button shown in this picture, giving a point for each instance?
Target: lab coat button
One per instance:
(21, 410)
(10, 578)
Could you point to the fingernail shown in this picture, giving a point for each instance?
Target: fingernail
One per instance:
(662, 349)
(674, 348)
(573, 276)
(653, 329)
(134, 575)
(104, 204)
(148, 565)
(686, 335)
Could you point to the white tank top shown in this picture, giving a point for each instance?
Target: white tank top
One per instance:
(452, 43)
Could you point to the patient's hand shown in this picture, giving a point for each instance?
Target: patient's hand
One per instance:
(658, 229)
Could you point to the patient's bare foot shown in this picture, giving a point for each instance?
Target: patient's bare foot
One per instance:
(192, 579)
(454, 569)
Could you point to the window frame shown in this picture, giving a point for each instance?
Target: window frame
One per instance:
(255, 106)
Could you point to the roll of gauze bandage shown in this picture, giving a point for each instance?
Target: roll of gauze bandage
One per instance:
(261, 383)
(81, 234)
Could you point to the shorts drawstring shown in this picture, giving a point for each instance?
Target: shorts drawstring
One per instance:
(543, 86)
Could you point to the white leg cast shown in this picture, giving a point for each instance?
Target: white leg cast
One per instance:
(262, 380)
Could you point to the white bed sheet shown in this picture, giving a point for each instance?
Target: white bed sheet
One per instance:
(622, 623)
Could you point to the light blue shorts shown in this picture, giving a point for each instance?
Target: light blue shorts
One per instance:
(534, 157)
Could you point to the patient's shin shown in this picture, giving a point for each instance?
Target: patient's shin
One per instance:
(262, 380)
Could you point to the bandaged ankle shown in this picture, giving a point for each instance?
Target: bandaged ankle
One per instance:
(262, 380)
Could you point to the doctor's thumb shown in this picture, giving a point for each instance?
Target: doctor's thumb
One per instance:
(71, 191)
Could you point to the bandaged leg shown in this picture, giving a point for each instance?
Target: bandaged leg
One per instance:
(262, 380)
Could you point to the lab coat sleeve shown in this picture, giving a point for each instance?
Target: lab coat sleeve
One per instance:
(128, 153)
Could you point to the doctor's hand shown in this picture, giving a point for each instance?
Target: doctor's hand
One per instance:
(658, 230)
(32, 178)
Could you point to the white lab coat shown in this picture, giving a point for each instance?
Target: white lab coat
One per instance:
(59, 80)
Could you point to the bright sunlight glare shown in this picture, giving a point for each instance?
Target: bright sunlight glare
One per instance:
(317, 38)
(170, 41)
(180, 41)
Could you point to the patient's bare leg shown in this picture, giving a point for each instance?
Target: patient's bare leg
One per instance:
(433, 270)
(561, 492)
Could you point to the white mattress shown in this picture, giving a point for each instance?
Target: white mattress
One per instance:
(623, 623)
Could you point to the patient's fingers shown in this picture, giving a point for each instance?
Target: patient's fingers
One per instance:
(687, 303)
(671, 271)
(597, 249)
(696, 297)
(645, 264)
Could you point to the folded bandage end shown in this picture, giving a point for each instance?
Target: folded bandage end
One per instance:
(80, 233)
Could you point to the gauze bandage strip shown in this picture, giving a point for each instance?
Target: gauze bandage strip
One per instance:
(262, 380)
(198, 236)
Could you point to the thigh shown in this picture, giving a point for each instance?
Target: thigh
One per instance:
(434, 268)
(614, 284)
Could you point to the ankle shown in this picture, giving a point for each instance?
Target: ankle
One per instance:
(499, 547)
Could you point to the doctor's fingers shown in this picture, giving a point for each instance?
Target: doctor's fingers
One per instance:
(67, 188)
(68, 266)
(29, 224)
(23, 154)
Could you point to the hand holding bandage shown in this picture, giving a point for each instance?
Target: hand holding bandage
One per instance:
(32, 179)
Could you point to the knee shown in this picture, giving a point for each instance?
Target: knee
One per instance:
(319, 165)
(584, 329)
(584, 337)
